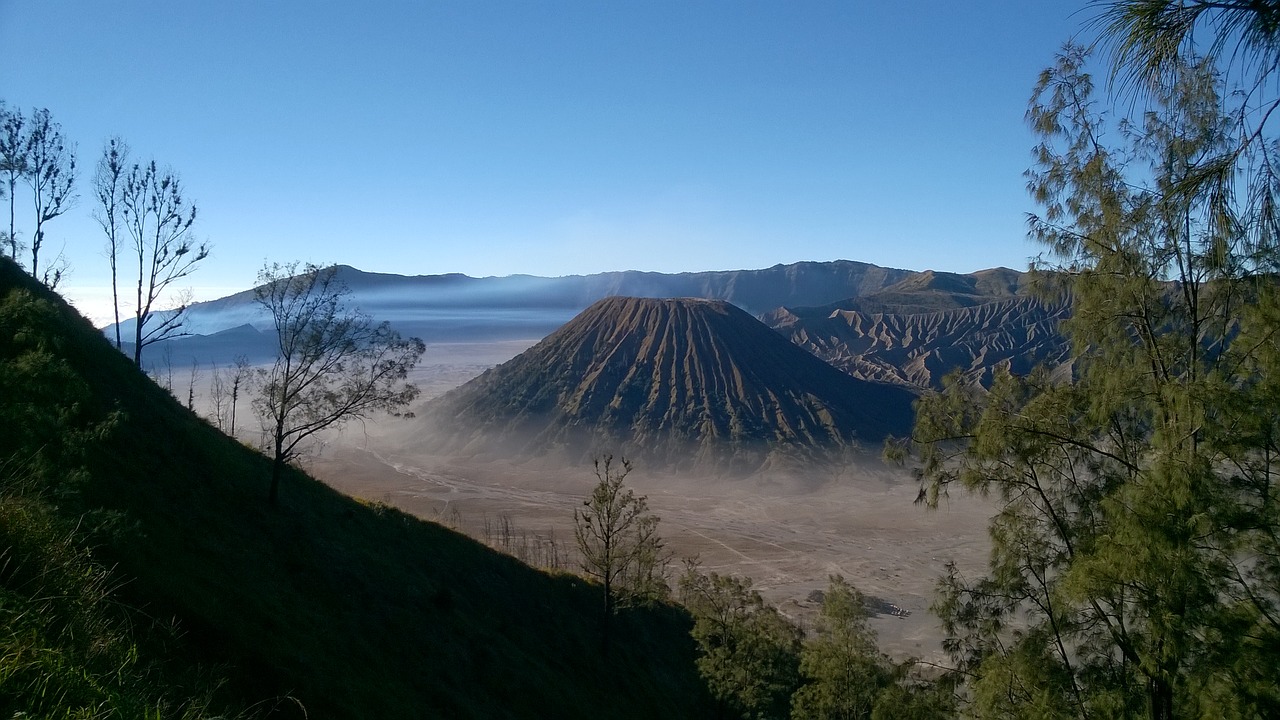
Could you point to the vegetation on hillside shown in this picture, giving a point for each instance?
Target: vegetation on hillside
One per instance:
(34, 152)
(69, 645)
(618, 542)
(1135, 570)
(760, 664)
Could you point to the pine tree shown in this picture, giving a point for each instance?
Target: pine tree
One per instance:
(748, 653)
(618, 541)
(842, 668)
(1133, 569)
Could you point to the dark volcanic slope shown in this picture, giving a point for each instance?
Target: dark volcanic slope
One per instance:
(678, 382)
(916, 332)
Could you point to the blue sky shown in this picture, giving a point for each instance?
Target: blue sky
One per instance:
(552, 137)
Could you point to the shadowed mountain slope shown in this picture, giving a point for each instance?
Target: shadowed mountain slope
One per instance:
(919, 330)
(677, 382)
(345, 608)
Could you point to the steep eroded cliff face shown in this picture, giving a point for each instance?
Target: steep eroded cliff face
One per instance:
(918, 331)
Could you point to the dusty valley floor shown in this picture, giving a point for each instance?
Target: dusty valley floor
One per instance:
(787, 534)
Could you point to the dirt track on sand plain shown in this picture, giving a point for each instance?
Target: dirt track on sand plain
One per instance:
(786, 533)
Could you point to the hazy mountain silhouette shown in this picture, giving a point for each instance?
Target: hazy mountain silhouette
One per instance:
(879, 324)
(454, 306)
(677, 382)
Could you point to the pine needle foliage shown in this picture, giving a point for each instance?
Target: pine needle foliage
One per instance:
(841, 666)
(1149, 39)
(618, 541)
(1133, 567)
(748, 653)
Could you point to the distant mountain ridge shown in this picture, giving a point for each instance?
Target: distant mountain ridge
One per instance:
(532, 306)
(682, 383)
(917, 331)
(877, 324)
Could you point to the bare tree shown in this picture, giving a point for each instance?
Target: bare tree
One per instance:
(334, 364)
(158, 220)
(224, 392)
(13, 165)
(192, 380)
(618, 538)
(108, 186)
(51, 174)
(218, 396)
(163, 374)
(239, 377)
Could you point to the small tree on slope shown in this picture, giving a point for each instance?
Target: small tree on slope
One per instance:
(334, 364)
(618, 539)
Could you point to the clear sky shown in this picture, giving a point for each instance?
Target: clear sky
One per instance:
(552, 137)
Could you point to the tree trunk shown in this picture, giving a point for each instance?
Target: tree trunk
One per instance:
(13, 239)
(1161, 698)
(115, 291)
(608, 616)
(138, 313)
(277, 468)
(235, 395)
(37, 239)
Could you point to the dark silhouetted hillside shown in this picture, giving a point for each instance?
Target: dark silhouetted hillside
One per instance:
(341, 607)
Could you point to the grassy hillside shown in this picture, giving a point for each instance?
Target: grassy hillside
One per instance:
(347, 609)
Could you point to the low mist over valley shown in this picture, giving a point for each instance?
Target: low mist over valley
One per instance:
(761, 459)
